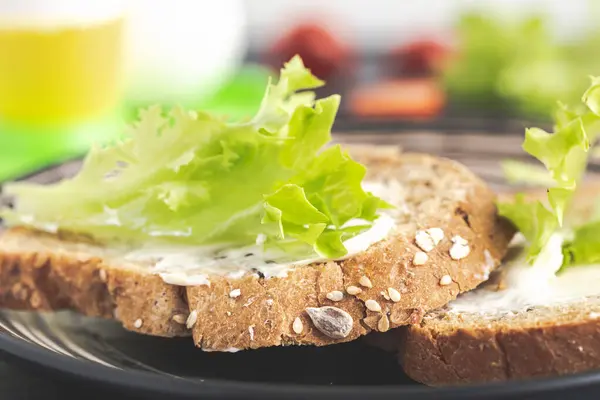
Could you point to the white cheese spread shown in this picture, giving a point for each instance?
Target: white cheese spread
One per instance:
(540, 284)
(191, 265)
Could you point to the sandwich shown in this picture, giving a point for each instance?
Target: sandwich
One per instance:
(539, 313)
(249, 234)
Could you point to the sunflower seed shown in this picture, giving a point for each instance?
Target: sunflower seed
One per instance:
(331, 321)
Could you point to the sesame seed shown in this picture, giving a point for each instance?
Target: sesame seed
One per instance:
(459, 251)
(420, 258)
(353, 290)
(437, 235)
(385, 295)
(179, 318)
(35, 300)
(372, 305)
(251, 332)
(445, 280)
(228, 313)
(191, 320)
(366, 282)
(424, 241)
(335, 295)
(394, 295)
(102, 275)
(384, 324)
(459, 239)
(269, 302)
(298, 326)
(138, 323)
(235, 293)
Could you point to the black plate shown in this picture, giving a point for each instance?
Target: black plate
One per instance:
(101, 351)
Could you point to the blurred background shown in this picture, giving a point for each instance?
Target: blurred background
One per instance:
(73, 72)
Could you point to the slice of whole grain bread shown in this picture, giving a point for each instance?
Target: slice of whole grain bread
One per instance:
(447, 349)
(40, 271)
(451, 348)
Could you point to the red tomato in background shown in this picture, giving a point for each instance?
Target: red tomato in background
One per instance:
(422, 57)
(320, 50)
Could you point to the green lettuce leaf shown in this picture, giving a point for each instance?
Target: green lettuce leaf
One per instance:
(564, 153)
(192, 177)
(517, 172)
(584, 247)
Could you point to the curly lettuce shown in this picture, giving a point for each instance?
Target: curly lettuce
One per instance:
(192, 177)
(564, 154)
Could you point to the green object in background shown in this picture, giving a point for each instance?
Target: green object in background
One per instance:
(238, 98)
(517, 66)
(25, 149)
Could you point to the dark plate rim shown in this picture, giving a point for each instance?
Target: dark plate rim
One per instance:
(149, 382)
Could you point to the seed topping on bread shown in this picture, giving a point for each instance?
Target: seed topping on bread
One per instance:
(102, 275)
(460, 248)
(180, 318)
(353, 290)
(437, 235)
(420, 258)
(191, 320)
(424, 241)
(331, 321)
(298, 326)
(384, 324)
(445, 280)
(335, 295)
(394, 295)
(365, 281)
(372, 305)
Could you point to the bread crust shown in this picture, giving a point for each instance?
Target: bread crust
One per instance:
(507, 350)
(459, 349)
(39, 271)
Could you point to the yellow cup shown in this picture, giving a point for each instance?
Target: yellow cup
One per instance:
(61, 64)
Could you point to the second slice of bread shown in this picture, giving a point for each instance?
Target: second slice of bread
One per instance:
(457, 348)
